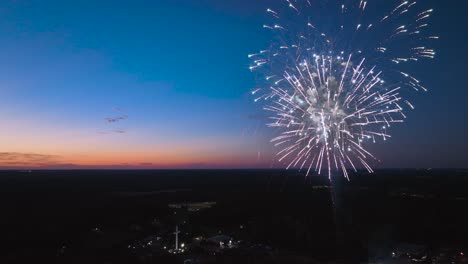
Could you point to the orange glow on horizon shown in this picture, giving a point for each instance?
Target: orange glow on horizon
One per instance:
(37, 145)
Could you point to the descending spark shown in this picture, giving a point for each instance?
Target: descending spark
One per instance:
(332, 89)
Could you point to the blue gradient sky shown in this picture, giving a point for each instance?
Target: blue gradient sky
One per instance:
(179, 71)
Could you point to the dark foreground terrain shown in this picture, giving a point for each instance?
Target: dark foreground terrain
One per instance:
(238, 216)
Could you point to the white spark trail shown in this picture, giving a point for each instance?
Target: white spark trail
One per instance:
(332, 89)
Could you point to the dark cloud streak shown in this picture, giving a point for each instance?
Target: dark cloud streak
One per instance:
(116, 119)
(14, 159)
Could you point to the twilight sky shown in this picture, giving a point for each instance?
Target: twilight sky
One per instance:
(172, 78)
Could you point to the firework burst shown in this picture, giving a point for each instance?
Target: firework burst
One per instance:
(335, 82)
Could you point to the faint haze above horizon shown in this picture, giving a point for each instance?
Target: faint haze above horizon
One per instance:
(165, 84)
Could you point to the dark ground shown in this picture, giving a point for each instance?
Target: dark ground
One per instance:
(42, 211)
